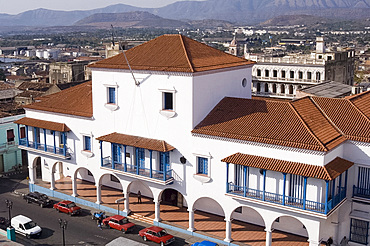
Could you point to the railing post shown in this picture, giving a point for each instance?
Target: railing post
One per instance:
(55, 147)
(45, 147)
(264, 185)
(151, 163)
(27, 140)
(345, 183)
(112, 153)
(164, 166)
(125, 162)
(65, 143)
(19, 135)
(245, 181)
(304, 193)
(137, 160)
(326, 196)
(340, 187)
(101, 152)
(35, 136)
(284, 187)
(227, 177)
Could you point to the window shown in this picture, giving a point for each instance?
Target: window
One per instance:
(275, 73)
(259, 72)
(111, 95)
(10, 135)
(258, 87)
(244, 82)
(318, 76)
(292, 74)
(282, 89)
(309, 75)
(23, 132)
(359, 231)
(87, 143)
(283, 74)
(267, 73)
(266, 87)
(274, 88)
(114, 178)
(300, 75)
(167, 101)
(202, 165)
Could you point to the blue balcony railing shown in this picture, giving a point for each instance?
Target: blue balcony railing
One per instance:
(361, 192)
(146, 172)
(41, 146)
(287, 200)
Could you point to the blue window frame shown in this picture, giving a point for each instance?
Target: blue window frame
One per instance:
(359, 231)
(296, 186)
(162, 160)
(87, 143)
(202, 165)
(112, 95)
(168, 100)
(117, 153)
(141, 157)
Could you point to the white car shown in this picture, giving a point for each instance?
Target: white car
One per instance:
(25, 226)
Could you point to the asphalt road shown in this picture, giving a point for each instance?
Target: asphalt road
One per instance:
(81, 229)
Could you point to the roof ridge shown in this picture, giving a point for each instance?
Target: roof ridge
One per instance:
(357, 109)
(186, 53)
(326, 171)
(305, 125)
(327, 117)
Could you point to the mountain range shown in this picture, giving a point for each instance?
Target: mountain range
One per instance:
(239, 11)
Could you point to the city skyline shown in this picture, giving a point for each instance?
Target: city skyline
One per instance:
(19, 6)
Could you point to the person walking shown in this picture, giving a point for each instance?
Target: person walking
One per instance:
(139, 197)
(99, 222)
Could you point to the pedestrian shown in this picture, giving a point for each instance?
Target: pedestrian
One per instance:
(329, 241)
(99, 221)
(344, 241)
(139, 197)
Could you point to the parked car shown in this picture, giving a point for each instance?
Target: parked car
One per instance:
(156, 234)
(119, 222)
(67, 207)
(36, 197)
(204, 243)
(25, 226)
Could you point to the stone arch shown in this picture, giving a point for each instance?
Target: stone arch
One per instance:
(258, 220)
(137, 185)
(36, 166)
(88, 173)
(87, 181)
(111, 190)
(166, 196)
(213, 210)
(290, 224)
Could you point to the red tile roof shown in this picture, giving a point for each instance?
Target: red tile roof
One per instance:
(43, 124)
(327, 172)
(139, 142)
(309, 123)
(76, 100)
(173, 53)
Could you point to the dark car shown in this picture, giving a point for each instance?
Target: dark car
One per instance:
(156, 234)
(4, 223)
(67, 207)
(38, 198)
(119, 222)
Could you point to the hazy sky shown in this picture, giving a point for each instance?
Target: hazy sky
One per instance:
(18, 6)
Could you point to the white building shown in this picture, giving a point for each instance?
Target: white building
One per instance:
(184, 120)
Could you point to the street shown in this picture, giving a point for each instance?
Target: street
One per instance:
(81, 229)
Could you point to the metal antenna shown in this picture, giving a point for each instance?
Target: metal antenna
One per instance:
(124, 54)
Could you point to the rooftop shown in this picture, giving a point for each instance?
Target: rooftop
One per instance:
(173, 53)
(330, 89)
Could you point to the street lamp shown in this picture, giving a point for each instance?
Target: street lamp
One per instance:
(63, 225)
(9, 205)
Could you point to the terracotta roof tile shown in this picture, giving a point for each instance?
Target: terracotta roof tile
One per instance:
(327, 172)
(174, 53)
(76, 100)
(361, 101)
(43, 124)
(135, 141)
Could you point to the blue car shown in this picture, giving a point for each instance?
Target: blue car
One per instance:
(205, 243)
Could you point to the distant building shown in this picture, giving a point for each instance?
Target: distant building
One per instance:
(65, 72)
(283, 76)
(326, 89)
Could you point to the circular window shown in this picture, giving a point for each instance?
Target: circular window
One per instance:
(244, 82)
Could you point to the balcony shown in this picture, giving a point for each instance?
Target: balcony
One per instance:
(288, 201)
(60, 152)
(361, 192)
(155, 176)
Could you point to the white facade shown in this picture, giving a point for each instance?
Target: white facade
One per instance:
(138, 111)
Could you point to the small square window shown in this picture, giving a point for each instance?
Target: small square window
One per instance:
(87, 143)
(10, 135)
(167, 101)
(114, 178)
(23, 132)
(202, 165)
(112, 95)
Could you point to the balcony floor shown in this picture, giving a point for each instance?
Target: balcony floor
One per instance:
(205, 223)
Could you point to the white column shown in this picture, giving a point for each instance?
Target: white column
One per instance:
(98, 194)
(157, 211)
(52, 180)
(191, 220)
(74, 187)
(313, 243)
(31, 175)
(268, 237)
(127, 202)
(228, 231)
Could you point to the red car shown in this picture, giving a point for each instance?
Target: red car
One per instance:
(156, 234)
(67, 207)
(119, 222)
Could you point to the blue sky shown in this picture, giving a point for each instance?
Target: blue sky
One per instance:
(18, 6)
